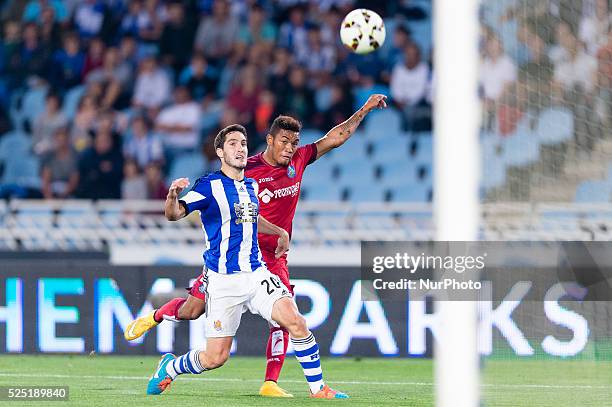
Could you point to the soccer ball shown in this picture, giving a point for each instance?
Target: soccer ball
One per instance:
(362, 31)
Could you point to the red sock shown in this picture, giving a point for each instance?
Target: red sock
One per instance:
(169, 310)
(275, 352)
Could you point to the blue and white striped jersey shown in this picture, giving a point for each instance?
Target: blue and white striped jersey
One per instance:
(229, 211)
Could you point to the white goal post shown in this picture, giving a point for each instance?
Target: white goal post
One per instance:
(456, 179)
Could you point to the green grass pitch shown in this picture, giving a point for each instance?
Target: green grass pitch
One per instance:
(121, 381)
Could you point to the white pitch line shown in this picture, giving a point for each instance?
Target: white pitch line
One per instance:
(218, 379)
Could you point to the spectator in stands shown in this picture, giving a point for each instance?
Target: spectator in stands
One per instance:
(47, 124)
(341, 105)
(156, 188)
(34, 10)
(9, 53)
(497, 71)
(258, 29)
(101, 168)
(49, 29)
(266, 106)
(128, 48)
(409, 85)
(134, 185)
(178, 124)
(317, 57)
(83, 124)
(594, 29)
(142, 146)
(152, 87)
(89, 17)
(32, 58)
(176, 40)
(537, 73)
(114, 76)
(278, 73)
(68, 63)
(298, 99)
(400, 40)
(217, 34)
(200, 78)
(59, 168)
(293, 34)
(243, 95)
(95, 56)
(577, 68)
(604, 82)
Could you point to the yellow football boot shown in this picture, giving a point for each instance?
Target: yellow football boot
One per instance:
(272, 389)
(140, 326)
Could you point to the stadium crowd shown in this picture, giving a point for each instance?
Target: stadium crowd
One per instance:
(547, 53)
(131, 87)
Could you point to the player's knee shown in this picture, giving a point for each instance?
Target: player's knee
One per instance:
(296, 325)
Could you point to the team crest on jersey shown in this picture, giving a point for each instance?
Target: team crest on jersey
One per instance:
(217, 325)
(291, 171)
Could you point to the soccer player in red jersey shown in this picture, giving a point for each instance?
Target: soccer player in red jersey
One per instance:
(278, 171)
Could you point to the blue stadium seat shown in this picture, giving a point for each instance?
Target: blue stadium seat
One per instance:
(190, 165)
(382, 123)
(522, 147)
(355, 146)
(367, 192)
(356, 172)
(422, 35)
(321, 191)
(23, 171)
(393, 148)
(593, 191)
(418, 192)
(425, 148)
(308, 136)
(34, 102)
(399, 174)
(321, 169)
(555, 125)
(493, 172)
(71, 101)
(14, 145)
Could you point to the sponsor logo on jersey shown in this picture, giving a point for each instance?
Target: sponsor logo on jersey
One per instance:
(217, 325)
(265, 195)
(291, 171)
(246, 212)
(267, 179)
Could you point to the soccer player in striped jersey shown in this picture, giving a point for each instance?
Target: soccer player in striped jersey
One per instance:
(278, 171)
(235, 277)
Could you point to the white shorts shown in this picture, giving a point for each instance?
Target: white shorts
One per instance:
(229, 295)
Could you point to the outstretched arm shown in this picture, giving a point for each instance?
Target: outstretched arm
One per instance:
(342, 132)
(268, 228)
(173, 209)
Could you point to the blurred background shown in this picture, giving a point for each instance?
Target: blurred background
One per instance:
(104, 102)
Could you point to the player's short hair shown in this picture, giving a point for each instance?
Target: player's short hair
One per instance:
(220, 138)
(285, 123)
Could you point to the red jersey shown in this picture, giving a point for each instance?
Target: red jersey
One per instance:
(279, 190)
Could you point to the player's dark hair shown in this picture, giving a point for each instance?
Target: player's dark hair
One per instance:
(285, 123)
(220, 138)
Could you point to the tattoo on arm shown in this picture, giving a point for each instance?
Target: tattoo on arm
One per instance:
(351, 123)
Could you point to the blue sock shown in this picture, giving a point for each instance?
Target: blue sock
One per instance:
(307, 353)
(187, 363)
